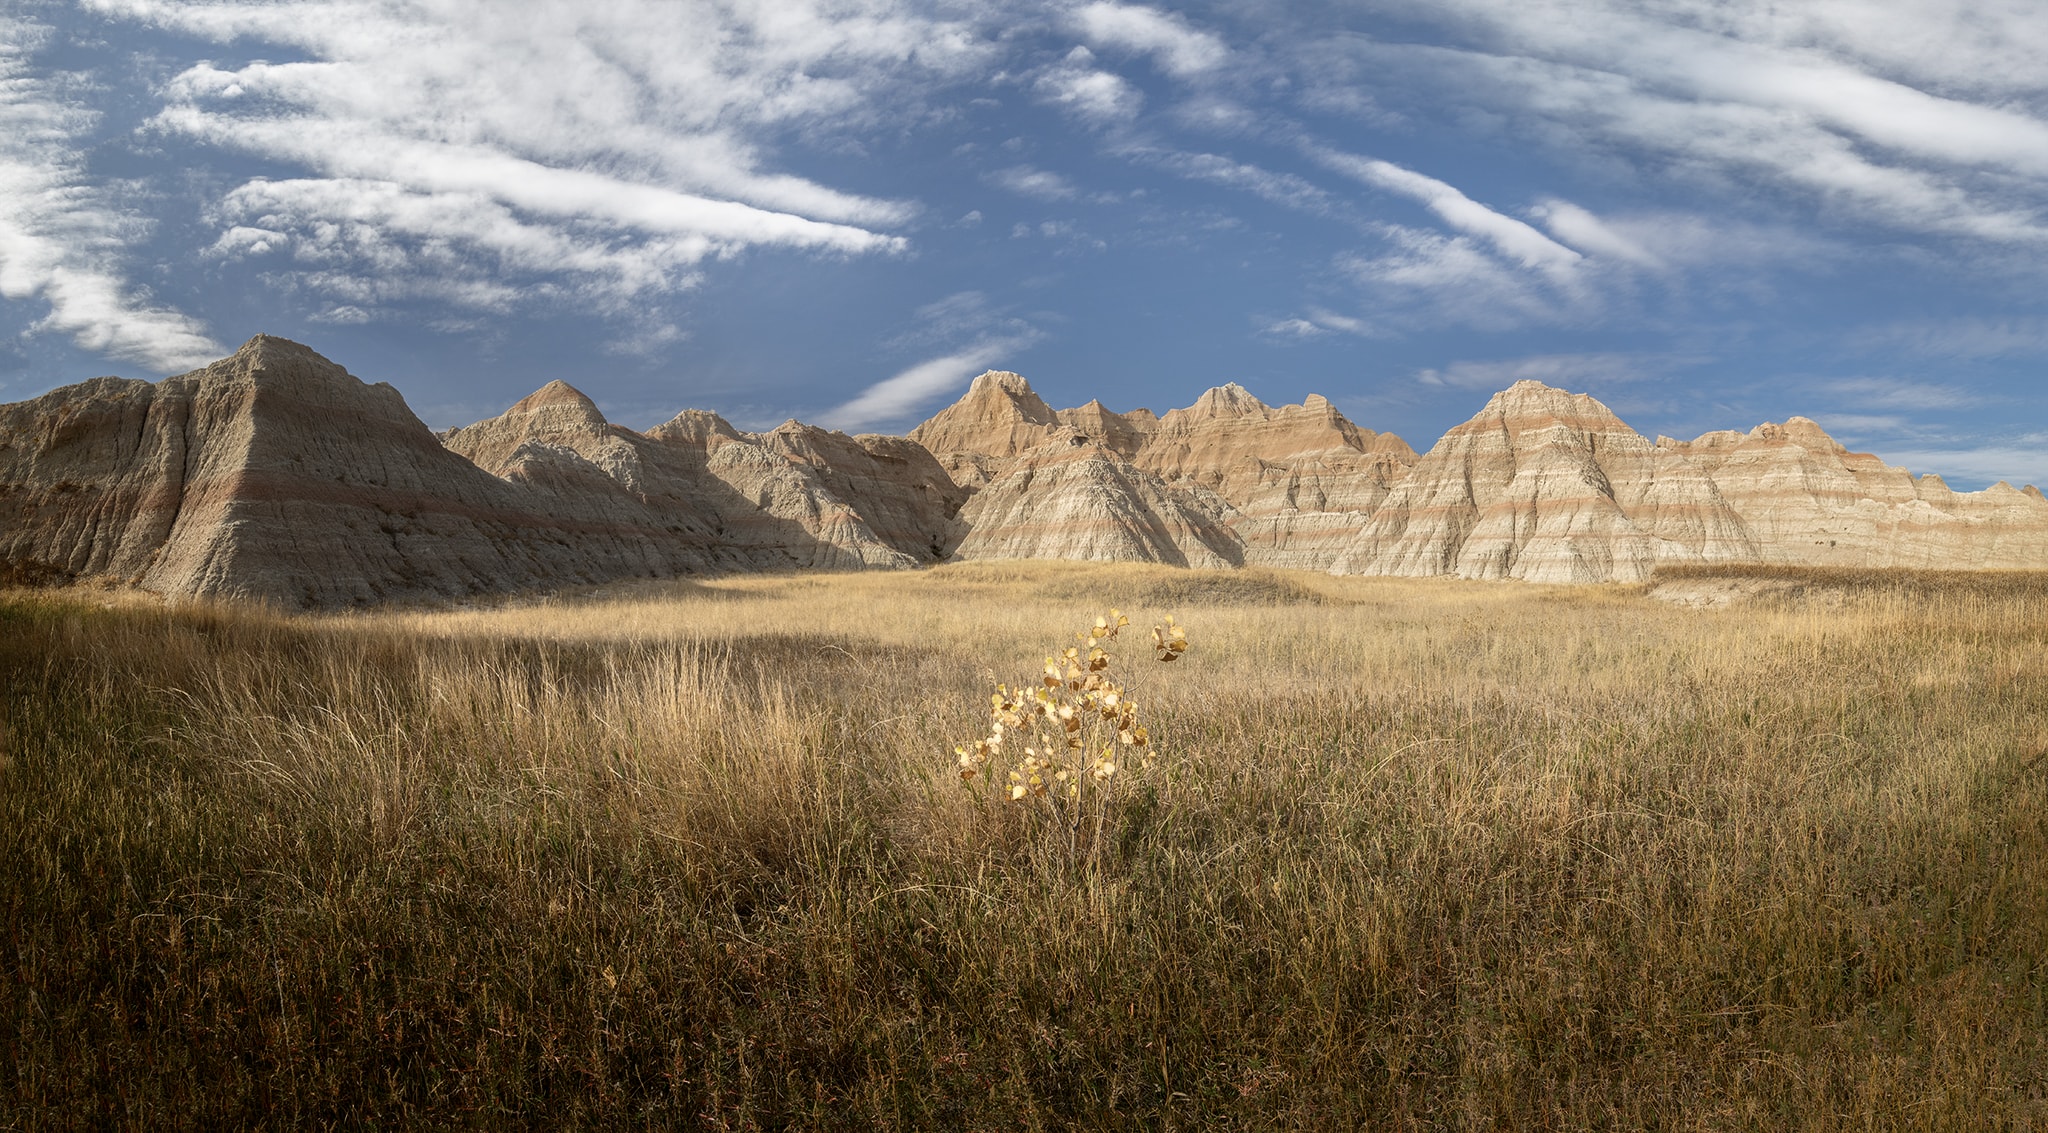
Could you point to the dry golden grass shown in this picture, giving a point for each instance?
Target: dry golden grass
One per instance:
(1420, 854)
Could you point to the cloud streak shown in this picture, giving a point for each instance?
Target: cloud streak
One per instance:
(430, 145)
(1527, 246)
(896, 398)
(1180, 50)
(1941, 131)
(1085, 91)
(64, 239)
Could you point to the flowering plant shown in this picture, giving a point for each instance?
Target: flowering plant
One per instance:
(1074, 731)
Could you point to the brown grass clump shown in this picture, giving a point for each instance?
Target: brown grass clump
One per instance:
(1425, 854)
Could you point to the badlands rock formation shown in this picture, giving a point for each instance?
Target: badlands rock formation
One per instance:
(276, 474)
(1075, 497)
(976, 437)
(795, 497)
(1549, 486)
(1299, 479)
(1226, 480)
(1121, 433)
(1805, 499)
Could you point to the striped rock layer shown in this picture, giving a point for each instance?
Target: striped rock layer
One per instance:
(276, 474)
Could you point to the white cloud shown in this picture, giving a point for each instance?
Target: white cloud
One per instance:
(1027, 181)
(1789, 77)
(1317, 322)
(1526, 245)
(1097, 97)
(1429, 278)
(896, 398)
(1941, 130)
(964, 316)
(342, 316)
(1296, 327)
(389, 234)
(1180, 50)
(616, 142)
(64, 239)
(1588, 233)
(1280, 188)
(1345, 323)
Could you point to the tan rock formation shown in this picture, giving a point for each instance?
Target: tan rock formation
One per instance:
(795, 497)
(276, 474)
(1549, 486)
(1121, 433)
(1806, 499)
(1300, 478)
(998, 418)
(1075, 498)
(897, 488)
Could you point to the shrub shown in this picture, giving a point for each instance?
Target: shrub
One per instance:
(1067, 741)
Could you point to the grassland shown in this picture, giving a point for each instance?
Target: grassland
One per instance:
(1421, 855)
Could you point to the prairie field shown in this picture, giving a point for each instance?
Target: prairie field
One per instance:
(1412, 854)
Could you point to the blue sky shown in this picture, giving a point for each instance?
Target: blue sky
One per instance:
(1707, 213)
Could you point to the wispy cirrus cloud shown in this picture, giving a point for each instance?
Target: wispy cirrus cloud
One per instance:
(1942, 131)
(1316, 322)
(1028, 181)
(895, 398)
(65, 237)
(1964, 337)
(1281, 188)
(1180, 48)
(433, 161)
(1420, 277)
(1514, 238)
(992, 334)
(1084, 90)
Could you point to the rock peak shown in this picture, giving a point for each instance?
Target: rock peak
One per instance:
(556, 393)
(999, 415)
(1529, 391)
(1004, 381)
(1802, 431)
(1530, 403)
(269, 348)
(1228, 398)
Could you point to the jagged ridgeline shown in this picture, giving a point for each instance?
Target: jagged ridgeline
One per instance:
(275, 474)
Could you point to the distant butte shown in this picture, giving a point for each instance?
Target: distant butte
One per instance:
(275, 474)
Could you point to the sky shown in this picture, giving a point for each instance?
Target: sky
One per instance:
(1706, 213)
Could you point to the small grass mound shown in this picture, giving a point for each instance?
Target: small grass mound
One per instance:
(1866, 580)
(1150, 585)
